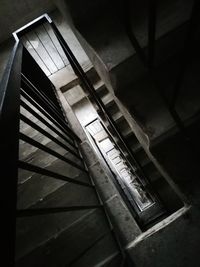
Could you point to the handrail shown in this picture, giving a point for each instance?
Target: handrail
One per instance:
(9, 145)
(45, 107)
(90, 88)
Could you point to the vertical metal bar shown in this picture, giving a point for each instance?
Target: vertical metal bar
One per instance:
(33, 168)
(45, 122)
(9, 146)
(42, 101)
(48, 150)
(46, 114)
(152, 14)
(47, 134)
(26, 84)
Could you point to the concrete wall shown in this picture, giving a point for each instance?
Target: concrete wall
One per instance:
(15, 14)
(175, 241)
(121, 218)
(5, 50)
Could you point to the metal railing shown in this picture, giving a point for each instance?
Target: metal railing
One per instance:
(124, 147)
(26, 86)
(88, 86)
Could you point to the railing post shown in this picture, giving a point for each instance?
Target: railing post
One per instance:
(9, 144)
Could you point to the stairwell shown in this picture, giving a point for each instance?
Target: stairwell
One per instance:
(145, 52)
(73, 238)
(76, 96)
(72, 210)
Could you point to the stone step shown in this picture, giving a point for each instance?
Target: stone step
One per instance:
(124, 128)
(74, 81)
(101, 254)
(108, 100)
(142, 157)
(33, 231)
(118, 117)
(30, 153)
(99, 86)
(68, 245)
(117, 56)
(35, 186)
(115, 261)
(31, 132)
(113, 109)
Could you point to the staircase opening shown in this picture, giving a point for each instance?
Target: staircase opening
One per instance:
(130, 183)
(41, 41)
(48, 49)
(139, 196)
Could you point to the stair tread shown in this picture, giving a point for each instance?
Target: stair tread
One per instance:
(68, 244)
(108, 99)
(42, 227)
(98, 84)
(117, 116)
(100, 254)
(37, 186)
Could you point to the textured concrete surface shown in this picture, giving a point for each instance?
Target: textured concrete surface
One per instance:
(14, 14)
(159, 246)
(126, 226)
(108, 252)
(175, 245)
(65, 247)
(63, 238)
(5, 50)
(121, 218)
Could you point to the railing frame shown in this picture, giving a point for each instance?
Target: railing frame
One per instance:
(9, 146)
(14, 83)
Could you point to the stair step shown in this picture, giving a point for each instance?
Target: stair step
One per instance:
(101, 254)
(153, 176)
(33, 231)
(113, 109)
(34, 155)
(69, 244)
(100, 89)
(108, 100)
(99, 86)
(26, 149)
(37, 186)
(142, 157)
(74, 81)
(135, 147)
(45, 160)
(118, 117)
(116, 261)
